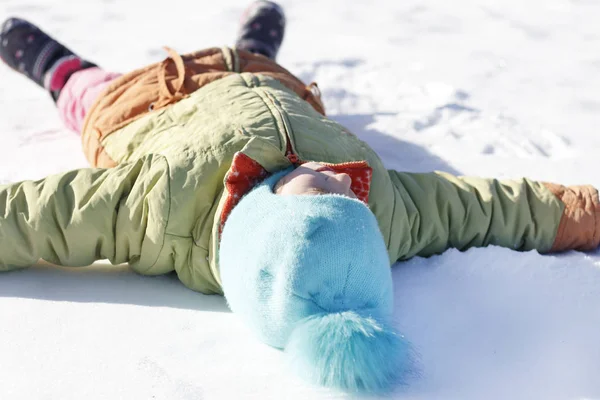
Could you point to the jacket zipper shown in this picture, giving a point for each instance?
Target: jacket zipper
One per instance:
(289, 151)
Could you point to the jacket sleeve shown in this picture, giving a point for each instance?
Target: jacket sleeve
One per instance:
(436, 211)
(81, 216)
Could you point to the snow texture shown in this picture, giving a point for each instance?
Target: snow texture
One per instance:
(473, 87)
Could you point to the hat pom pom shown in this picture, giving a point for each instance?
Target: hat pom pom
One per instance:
(348, 350)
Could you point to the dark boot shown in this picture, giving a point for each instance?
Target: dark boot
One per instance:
(262, 29)
(28, 50)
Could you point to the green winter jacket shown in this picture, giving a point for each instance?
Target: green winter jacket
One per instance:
(158, 210)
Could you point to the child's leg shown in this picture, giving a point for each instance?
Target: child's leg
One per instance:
(27, 49)
(79, 94)
(262, 29)
(73, 82)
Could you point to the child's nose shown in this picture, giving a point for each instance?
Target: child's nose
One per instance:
(344, 179)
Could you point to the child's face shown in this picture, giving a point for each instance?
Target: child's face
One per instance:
(314, 178)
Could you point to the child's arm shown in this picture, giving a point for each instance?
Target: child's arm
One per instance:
(81, 216)
(436, 211)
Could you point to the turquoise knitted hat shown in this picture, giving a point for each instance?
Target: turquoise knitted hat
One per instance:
(310, 274)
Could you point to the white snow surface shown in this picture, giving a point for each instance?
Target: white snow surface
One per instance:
(474, 87)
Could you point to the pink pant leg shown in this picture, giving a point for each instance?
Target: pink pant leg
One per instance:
(80, 93)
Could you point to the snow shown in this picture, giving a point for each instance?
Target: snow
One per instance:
(472, 87)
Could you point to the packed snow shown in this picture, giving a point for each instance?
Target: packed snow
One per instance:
(473, 87)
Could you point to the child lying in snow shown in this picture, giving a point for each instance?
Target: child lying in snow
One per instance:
(221, 166)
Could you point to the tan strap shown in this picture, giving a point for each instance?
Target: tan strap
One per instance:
(313, 88)
(165, 92)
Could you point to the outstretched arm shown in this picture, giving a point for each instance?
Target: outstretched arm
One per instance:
(81, 216)
(436, 211)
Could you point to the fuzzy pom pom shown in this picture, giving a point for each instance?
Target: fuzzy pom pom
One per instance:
(348, 350)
